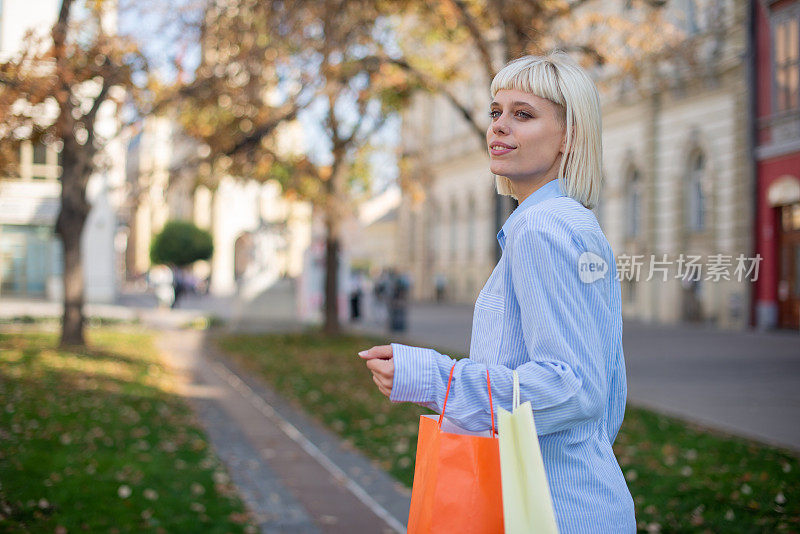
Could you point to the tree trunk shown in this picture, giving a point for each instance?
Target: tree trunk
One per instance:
(332, 245)
(73, 320)
(69, 226)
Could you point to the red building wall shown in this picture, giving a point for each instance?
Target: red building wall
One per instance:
(768, 168)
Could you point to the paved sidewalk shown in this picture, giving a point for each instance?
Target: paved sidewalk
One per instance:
(274, 307)
(295, 475)
(139, 308)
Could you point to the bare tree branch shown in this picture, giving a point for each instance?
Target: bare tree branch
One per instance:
(442, 88)
(263, 131)
(478, 35)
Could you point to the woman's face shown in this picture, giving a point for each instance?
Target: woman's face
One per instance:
(525, 139)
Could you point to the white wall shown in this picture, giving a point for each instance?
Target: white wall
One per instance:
(18, 16)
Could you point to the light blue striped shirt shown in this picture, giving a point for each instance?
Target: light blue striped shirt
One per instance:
(551, 310)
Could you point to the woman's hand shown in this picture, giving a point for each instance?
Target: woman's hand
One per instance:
(379, 361)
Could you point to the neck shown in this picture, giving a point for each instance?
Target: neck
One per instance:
(524, 190)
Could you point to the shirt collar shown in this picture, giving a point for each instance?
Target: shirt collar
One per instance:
(551, 189)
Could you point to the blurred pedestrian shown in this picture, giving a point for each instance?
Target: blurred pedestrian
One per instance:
(440, 281)
(551, 309)
(356, 294)
(178, 285)
(381, 294)
(161, 279)
(398, 302)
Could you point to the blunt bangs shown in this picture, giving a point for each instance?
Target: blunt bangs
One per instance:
(530, 74)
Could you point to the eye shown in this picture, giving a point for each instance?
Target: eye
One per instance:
(492, 113)
(524, 115)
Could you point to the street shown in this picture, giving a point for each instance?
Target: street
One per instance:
(744, 383)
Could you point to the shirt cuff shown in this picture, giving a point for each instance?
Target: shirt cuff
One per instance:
(413, 373)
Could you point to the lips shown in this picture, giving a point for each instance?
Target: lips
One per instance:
(496, 148)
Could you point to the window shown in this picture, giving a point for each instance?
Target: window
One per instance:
(471, 227)
(695, 195)
(453, 229)
(631, 285)
(692, 22)
(39, 153)
(790, 217)
(634, 204)
(431, 230)
(39, 170)
(786, 61)
(412, 235)
(29, 255)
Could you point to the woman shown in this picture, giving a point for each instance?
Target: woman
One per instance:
(551, 307)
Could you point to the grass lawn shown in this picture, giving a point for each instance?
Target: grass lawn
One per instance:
(683, 478)
(97, 441)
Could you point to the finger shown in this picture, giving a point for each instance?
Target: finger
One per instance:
(379, 377)
(381, 387)
(383, 352)
(384, 380)
(384, 368)
(378, 352)
(376, 365)
(378, 383)
(385, 383)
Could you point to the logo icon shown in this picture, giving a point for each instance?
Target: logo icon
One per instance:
(591, 267)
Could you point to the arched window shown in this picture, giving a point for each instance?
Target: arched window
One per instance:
(694, 193)
(471, 215)
(432, 230)
(453, 228)
(412, 234)
(633, 204)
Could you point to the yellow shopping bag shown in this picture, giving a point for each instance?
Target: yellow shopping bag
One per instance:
(527, 504)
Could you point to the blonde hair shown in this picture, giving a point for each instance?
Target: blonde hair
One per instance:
(559, 79)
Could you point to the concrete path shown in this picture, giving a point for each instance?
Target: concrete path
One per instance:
(134, 308)
(296, 476)
(744, 383)
(275, 307)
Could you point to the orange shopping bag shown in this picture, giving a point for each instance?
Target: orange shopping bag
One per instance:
(457, 485)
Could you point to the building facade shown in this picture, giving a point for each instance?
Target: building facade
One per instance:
(447, 219)
(370, 239)
(31, 263)
(678, 179)
(258, 234)
(678, 174)
(776, 30)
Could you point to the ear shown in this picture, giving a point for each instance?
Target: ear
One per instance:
(564, 149)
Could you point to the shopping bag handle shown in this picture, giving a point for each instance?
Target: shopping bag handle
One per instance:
(447, 394)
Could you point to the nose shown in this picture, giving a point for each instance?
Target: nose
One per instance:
(500, 126)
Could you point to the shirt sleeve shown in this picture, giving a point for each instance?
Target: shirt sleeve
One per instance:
(563, 319)
(565, 376)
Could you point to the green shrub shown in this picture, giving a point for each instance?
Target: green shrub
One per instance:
(181, 243)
